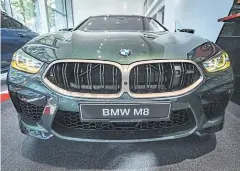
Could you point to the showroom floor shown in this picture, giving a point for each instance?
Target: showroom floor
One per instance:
(220, 152)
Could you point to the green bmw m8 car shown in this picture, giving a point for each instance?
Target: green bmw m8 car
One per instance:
(117, 78)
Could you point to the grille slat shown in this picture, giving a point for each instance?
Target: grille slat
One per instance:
(182, 75)
(116, 75)
(188, 74)
(146, 66)
(149, 76)
(103, 77)
(137, 77)
(113, 76)
(171, 76)
(163, 77)
(83, 77)
(58, 75)
(75, 75)
(64, 75)
(100, 75)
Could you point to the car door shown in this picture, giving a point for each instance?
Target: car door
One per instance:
(9, 42)
(13, 36)
(24, 34)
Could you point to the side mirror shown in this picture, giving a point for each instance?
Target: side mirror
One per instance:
(192, 31)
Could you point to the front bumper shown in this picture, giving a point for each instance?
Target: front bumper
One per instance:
(206, 104)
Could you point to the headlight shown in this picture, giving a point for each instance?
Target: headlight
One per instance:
(203, 52)
(217, 63)
(25, 62)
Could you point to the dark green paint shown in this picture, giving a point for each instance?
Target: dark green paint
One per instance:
(106, 46)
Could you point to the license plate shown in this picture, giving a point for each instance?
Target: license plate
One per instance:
(125, 112)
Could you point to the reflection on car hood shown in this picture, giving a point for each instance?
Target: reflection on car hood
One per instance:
(107, 46)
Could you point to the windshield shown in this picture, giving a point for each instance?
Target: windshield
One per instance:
(121, 23)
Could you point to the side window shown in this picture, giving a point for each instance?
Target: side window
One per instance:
(16, 24)
(154, 26)
(4, 22)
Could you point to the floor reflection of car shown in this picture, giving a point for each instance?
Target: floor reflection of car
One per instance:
(13, 36)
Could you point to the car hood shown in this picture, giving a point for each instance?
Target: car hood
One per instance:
(107, 46)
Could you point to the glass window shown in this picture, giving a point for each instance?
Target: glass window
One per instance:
(121, 23)
(56, 20)
(155, 16)
(57, 5)
(16, 24)
(154, 26)
(3, 5)
(163, 15)
(8, 22)
(39, 15)
(4, 21)
(59, 14)
(147, 4)
(25, 11)
(69, 14)
(160, 15)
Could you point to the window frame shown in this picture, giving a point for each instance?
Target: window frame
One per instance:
(154, 24)
(67, 16)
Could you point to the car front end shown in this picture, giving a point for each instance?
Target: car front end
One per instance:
(149, 91)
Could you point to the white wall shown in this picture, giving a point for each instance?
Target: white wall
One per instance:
(82, 9)
(201, 15)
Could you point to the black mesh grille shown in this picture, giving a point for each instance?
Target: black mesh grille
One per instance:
(31, 111)
(72, 120)
(86, 77)
(162, 77)
(216, 108)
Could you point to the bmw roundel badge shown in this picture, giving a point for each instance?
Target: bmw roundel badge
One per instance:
(125, 52)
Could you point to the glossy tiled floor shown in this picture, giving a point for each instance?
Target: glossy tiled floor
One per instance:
(220, 152)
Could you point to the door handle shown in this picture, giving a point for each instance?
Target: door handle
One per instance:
(21, 35)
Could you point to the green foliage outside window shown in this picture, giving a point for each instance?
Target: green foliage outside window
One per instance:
(23, 10)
